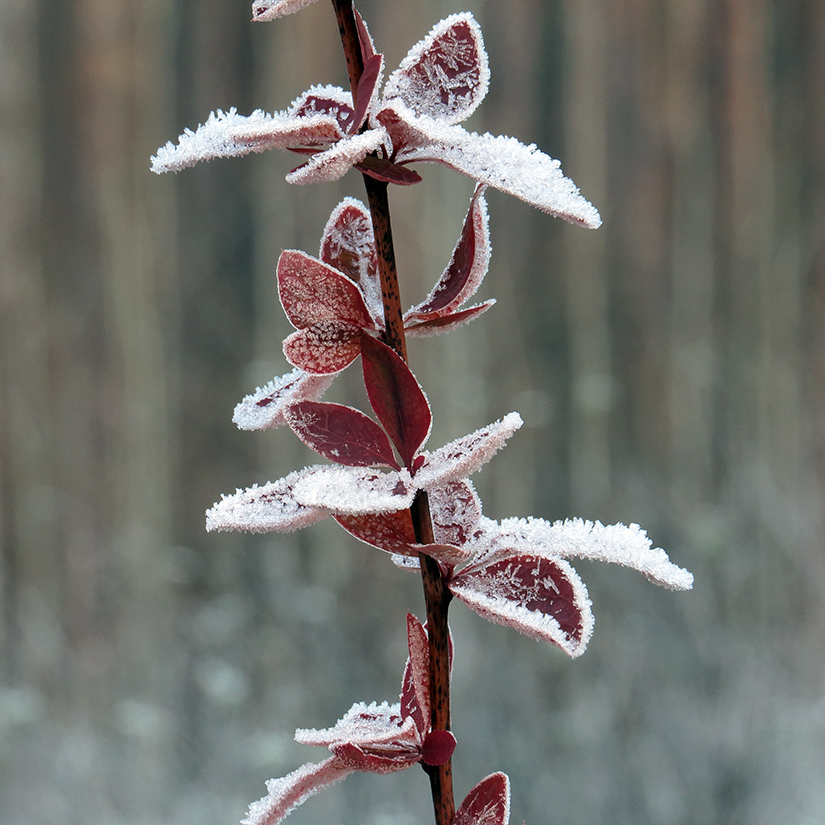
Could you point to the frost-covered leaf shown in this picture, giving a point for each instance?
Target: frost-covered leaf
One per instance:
(391, 532)
(269, 508)
(342, 434)
(460, 458)
(445, 75)
(415, 685)
(390, 762)
(332, 101)
(488, 803)
(466, 269)
(355, 490)
(447, 323)
(228, 135)
(576, 538)
(324, 348)
(499, 161)
(396, 396)
(265, 407)
(540, 597)
(364, 37)
(312, 292)
(270, 9)
(336, 161)
(456, 512)
(366, 725)
(287, 793)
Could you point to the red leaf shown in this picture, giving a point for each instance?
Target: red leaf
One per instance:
(312, 292)
(438, 747)
(391, 532)
(323, 348)
(445, 75)
(486, 804)
(447, 323)
(341, 434)
(364, 39)
(540, 597)
(312, 103)
(395, 395)
(456, 512)
(366, 90)
(415, 685)
(355, 759)
(387, 171)
(467, 267)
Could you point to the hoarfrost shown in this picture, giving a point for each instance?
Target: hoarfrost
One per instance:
(460, 458)
(290, 791)
(265, 407)
(354, 490)
(628, 546)
(268, 508)
(270, 9)
(446, 74)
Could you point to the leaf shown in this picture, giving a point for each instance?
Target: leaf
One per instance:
(332, 101)
(540, 597)
(575, 538)
(367, 90)
(415, 685)
(445, 75)
(229, 135)
(265, 407)
(488, 803)
(466, 269)
(447, 323)
(359, 760)
(336, 161)
(270, 9)
(341, 434)
(364, 37)
(456, 512)
(287, 793)
(312, 292)
(323, 348)
(355, 490)
(499, 161)
(387, 171)
(460, 458)
(269, 508)
(391, 532)
(395, 395)
(369, 726)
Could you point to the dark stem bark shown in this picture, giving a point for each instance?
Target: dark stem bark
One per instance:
(436, 594)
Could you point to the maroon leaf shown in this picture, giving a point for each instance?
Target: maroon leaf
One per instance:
(312, 103)
(438, 747)
(265, 407)
(540, 597)
(341, 434)
(456, 512)
(366, 90)
(415, 685)
(348, 243)
(391, 532)
(364, 38)
(312, 292)
(445, 75)
(395, 395)
(387, 171)
(324, 348)
(447, 323)
(486, 804)
(467, 267)
(355, 759)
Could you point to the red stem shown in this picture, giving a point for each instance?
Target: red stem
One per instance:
(436, 594)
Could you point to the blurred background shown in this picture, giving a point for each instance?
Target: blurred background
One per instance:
(669, 368)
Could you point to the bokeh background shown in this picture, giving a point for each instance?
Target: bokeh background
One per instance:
(669, 368)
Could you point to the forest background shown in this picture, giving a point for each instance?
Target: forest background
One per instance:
(670, 368)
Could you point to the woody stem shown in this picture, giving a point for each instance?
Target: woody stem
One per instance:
(436, 594)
